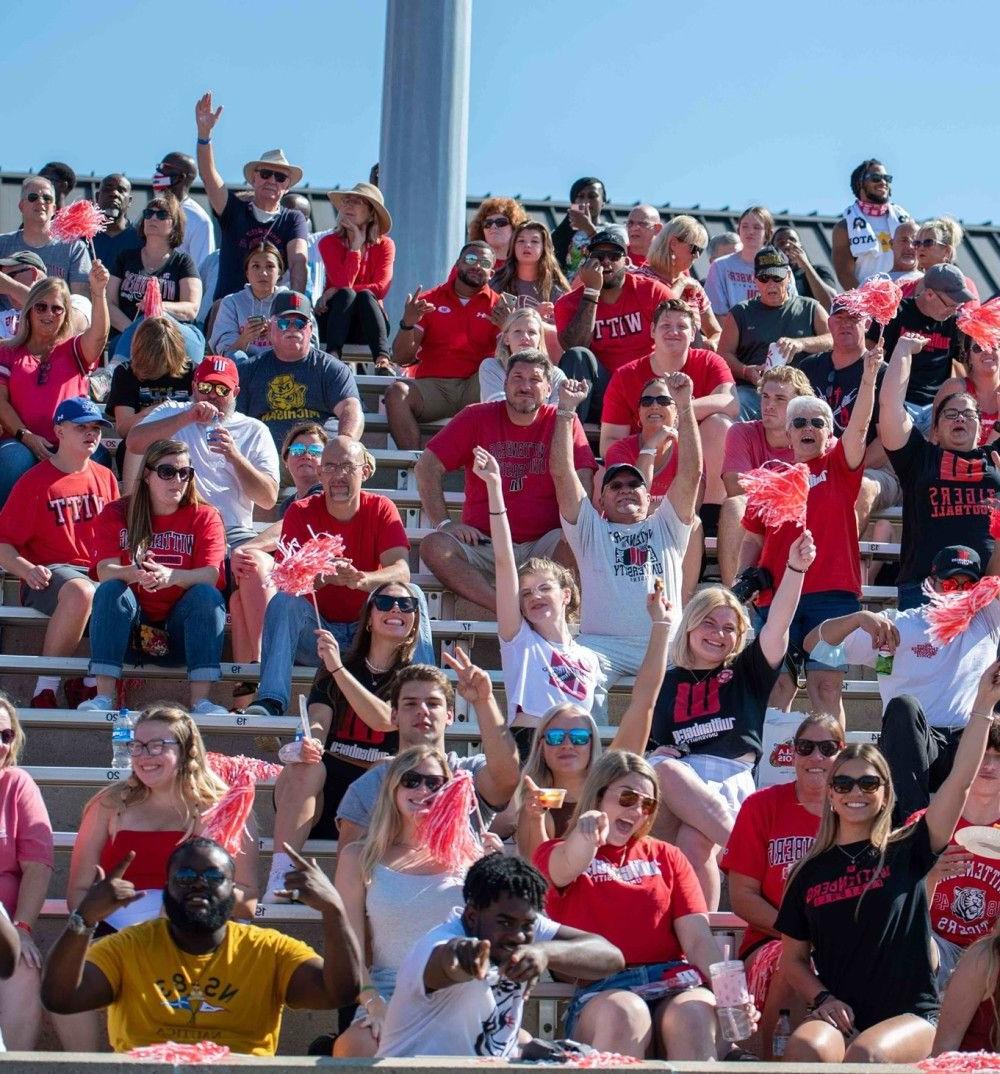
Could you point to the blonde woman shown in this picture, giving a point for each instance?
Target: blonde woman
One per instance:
(523, 330)
(855, 920)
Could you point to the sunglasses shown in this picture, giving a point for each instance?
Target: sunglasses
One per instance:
(627, 799)
(270, 173)
(955, 585)
(804, 747)
(212, 877)
(155, 214)
(496, 221)
(607, 255)
(632, 483)
(865, 784)
(877, 177)
(764, 277)
(154, 747)
(696, 250)
(579, 736)
(655, 400)
(412, 780)
(35, 196)
(206, 387)
(297, 450)
(285, 323)
(801, 423)
(475, 259)
(385, 602)
(927, 243)
(166, 472)
(7, 736)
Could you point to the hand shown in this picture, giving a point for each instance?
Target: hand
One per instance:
(38, 577)
(252, 330)
(108, 894)
(30, 955)
(247, 562)
(547, 311)
(803, 552)
(204, 117)
(222, 443)
(469, 959)
(526, 965)
(311, 883)
(416, 307)
(752, 374)
(461, 532)
(328, 650)
(324, 300)
(301, 751)
(473, 683)
(485, 467)
(953, 862)
(872, 363)
(502, 309)
(152, 575)
(910, 344)
(680, 387)
(374, 1007)
(99, 277)
(491, 843)
(594, 827)
(38, 446)
(789, 348)
(355, 236)
(590, 274)
(579, 219)
(348, 576)
(796, 255)
(572, 393)
(531, 804)
(837, 1014)
(202, 413)
(988, 694)
(661, 438)
(659, 608)
(884, 634)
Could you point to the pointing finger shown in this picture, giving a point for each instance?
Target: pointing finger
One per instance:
(295, 855)
(119, 870)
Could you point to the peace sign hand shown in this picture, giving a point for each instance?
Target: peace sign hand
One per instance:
(473, 683)
(109, 893)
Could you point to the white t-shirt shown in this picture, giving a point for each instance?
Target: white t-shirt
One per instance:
(538, 674)
(617, 564)
(217, 481)
(199, 238)
(944, 679)
(472, 1018)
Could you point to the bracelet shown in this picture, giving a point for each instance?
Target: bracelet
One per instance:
(366, 988)
(796, 569)
(985, 715)
(441, 525)
(404, 327)
(562, 412)
(589, 298)
(19, 435)
(23, 926)
(205, 141)
(661, 622)
(335, 670)
(495, 513)
(591, 292)
(647, 451)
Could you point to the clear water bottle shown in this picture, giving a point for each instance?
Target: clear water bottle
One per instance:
(782, 1031)
(121, 739)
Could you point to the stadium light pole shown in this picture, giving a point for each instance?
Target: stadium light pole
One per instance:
(423, 147)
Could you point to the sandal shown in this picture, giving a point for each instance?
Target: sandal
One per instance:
(243, 692)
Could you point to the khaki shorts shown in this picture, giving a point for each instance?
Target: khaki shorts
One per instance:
(481, 556)
(890, 492)
(442, 397)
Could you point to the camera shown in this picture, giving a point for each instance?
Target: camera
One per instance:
(750, 582)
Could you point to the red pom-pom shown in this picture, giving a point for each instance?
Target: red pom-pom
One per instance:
(152, 300)
(950, 613)
(226, 821)
(300, 564)
(169, 1051)
(444, 828)
(235, 769)
(948, 1062)
(777, 493)
(981, 322)
(81, 220)
(878, 297)
(995, 523)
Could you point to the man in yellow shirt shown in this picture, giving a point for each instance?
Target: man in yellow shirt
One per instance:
(195, 975)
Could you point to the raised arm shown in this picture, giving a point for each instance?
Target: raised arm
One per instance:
(894, 422)
(580, 330)
(570, 492)
(773, 635)
(206, 120)
(856, 434)
(572, 856)
(636, 721)
(683, 494)
(407, 341)
(95, 338)
(509, 620)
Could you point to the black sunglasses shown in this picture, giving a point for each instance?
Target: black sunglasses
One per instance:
(696, 250)
(865, 784)
(496, 221)
(385, 602)
(35, 196)
(801, 423)
(877, 177)
(166, 472)
(269, 173)
(7, 736)
(158, 214)
(655, 400)
(412, 780)
(804, 747)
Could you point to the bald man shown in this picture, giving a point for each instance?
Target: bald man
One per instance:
(642, 226)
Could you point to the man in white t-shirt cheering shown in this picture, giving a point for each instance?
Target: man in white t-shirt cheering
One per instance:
(620, 554)
(461, 989)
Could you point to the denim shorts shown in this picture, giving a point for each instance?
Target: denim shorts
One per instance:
(813, 609)
(625, 981)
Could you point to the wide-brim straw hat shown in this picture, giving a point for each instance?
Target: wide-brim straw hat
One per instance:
(373, 196)
(273, 158)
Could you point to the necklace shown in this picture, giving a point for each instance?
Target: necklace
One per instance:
(375, 669)
(854, 858)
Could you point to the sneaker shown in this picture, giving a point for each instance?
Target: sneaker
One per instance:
(265, 706)
(98, 703)
(45, 699)
(76, 691)
(208, 708)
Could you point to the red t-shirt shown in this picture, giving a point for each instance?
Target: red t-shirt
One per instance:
(458, 334)
(367, 269)
(523, 454)
(747, 448)
(49, 516)
(638, 260)
(627, 450)
(706, 369)
(622, 328)
(36, 396)
(630, 895)
(374, 529)
(190, 538)
(772, 833)
(830, 517)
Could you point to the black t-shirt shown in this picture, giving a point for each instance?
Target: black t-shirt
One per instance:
(947, 498)
(761, 325)
(932, 366)
(134, 278)
(875, 956)
(128, 390)
(110, 247)
(355, 745)
(242, 232)
(839, 387)
(721, 714)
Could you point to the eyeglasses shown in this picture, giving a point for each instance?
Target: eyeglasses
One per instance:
(155, 214)
(496, 221)
(877, 177)
(955, 585)
(45, 307)
(296, 323)
(927, 243)
(631, 483)
(206, 387)
(475, 259)
(34, 196)
(865, 784)
(385, 602)
(298, 450)
(270, 173)
(212, 877)
(696, 250)
(951, 414)
(627, 799)
(607, 255)
(801, 423)
(412, 780)
(166, 472)
(655, 400)
(7, 736)
(339, 468)
(804, 747)
(154, 747)
(579, 736)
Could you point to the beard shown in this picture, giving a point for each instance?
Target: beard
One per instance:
(877, 199)
(616, 279)
(206, 920)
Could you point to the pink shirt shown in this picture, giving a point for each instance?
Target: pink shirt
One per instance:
(36, 391)
(25, 831)
(747, 448)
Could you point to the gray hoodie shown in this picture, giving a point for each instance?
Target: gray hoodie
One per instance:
(234, 311)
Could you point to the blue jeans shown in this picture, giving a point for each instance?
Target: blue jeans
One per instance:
(813, 609)
(196, 625)
(289, 639)
(15, 461)
(922, 415)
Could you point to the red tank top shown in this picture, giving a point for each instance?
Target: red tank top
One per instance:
(149, 869)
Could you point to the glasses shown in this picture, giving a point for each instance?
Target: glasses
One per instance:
(655, 400)
(7, 736)
(385, 602)
(496, 221)
(48, 199)
(804, 747)
(476, 259)
(45, 307)
(412, 780)
(579, 736)
(212, 877)
(339, 468)
(951, 414)
(801, 423)
(696, 250)
(607, 255)
(631, 483)
(628, 799)
(295, 323)
(927, 243)
(270, 173)
(298, 450)
(155, 214)
(166, 472)
(763, 277)
(865, 784)
(955, 585)
(877, 177)
(211, 388)
(154, 747)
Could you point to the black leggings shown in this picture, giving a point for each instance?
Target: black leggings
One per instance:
(356, 317)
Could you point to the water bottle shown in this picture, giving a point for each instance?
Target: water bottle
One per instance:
(121, 739)
(782, 1031)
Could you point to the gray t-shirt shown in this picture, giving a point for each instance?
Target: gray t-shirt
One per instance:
(760, 325)
(70, 261)
(282, 393)
(617, 564)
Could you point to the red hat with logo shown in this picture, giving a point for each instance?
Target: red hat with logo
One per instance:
(217, 369)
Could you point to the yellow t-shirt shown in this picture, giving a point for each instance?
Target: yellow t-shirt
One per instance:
(233, 996)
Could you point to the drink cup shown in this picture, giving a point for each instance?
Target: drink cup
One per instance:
(552, 797)
(732, 999)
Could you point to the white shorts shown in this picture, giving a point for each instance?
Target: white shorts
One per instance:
(731, 780)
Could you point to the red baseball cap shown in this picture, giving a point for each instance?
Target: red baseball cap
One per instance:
(218, 369)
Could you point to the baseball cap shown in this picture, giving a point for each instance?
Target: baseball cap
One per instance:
(621, 468)
(218, 369)
(79, 410)
(948, 280)
(23, 257)
(291, 302)
(770, 261)
(957, 559)
(609, 236)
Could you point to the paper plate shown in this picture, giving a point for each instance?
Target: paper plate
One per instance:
(980, 839)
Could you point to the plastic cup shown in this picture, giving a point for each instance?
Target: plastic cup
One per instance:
(732, 999)
(552, 797)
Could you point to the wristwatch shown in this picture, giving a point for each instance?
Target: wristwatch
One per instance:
(79, 927)
(404, 327)
(819, 999)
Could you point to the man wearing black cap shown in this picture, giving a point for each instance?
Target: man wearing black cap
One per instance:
(608, 322)
(927, 690)
(771, 329)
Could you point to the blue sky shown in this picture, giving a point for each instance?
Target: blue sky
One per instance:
(716, 103)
